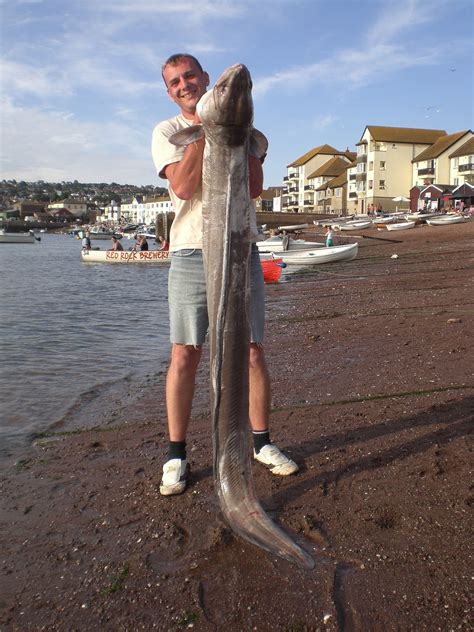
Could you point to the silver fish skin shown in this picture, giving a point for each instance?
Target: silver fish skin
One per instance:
(226, 113)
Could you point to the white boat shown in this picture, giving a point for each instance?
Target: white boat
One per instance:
(101, 233)
(354, 225)
(17, 238)
(444, 220)
(401, 225)
(293, 227)
(318, 256)
(125, 256)
(275, 244)
(383, 219)
(421, 217)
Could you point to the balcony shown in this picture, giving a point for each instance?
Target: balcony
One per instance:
(309, 187)
(468, 167)
(293, 189)
(352, 176)
(429, 171)
(361, 177)
(361, 158)
(353, 194)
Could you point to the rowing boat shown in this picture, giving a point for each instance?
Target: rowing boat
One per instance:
(276, 244)
(124, 256)
(317, 256)
(401, 225)
(355, 225)
(444, 220)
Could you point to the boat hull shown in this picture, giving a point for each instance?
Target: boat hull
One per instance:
(401, 226)
(318, 256)
(446, 221)
(17, 238)
(159, 257)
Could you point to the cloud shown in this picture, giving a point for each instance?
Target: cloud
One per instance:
(323, 121)
(54, 146)
(382, 52)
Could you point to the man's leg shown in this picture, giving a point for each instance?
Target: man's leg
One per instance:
(259, 411)
(180, 383)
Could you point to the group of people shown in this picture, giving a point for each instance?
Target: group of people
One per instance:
(141, 244)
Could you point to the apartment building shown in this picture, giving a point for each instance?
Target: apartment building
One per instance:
(298, 194)
(334, 192)
(461, 164)
(384, 163)
(317, 180)
(434, 164)
(352, 197)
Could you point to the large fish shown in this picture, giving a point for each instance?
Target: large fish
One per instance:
(226, 113)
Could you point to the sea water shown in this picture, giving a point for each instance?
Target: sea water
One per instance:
(68, 330)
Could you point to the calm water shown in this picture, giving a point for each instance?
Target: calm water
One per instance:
(68, 330)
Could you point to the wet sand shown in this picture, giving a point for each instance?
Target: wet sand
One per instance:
(373, 393)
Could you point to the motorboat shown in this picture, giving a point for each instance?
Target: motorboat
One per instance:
(316, 256)
(18, 238)
(125, 256)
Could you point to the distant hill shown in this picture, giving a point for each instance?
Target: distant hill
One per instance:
(99, 192)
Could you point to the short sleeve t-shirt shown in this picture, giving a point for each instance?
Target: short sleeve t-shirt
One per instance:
(186, 230)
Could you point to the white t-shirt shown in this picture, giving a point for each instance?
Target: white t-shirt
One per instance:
(186, 230)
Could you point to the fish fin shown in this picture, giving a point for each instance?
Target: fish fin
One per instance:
(187, 136)
(258, 143)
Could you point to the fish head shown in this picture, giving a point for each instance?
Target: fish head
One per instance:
(226, 111)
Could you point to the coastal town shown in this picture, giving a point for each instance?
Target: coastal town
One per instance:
(392, 168)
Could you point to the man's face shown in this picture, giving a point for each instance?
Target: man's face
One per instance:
(186, 84)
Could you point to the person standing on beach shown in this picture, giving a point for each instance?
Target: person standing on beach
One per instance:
(329, 237)
(186, 82)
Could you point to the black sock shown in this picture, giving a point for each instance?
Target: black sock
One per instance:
(177, 450)
(260, 439)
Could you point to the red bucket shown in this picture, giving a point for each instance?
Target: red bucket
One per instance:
(271, 270)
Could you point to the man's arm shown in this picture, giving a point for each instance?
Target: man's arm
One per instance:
(255, 177)
(185, 176)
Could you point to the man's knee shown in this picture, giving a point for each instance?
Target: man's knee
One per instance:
(256, 356)
(185, 358)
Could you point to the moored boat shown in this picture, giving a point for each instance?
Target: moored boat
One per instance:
(401, 225)
(124, 256)
(276, 244)
(354, 225)
(444, 220)
(18, 238)
(317, 256)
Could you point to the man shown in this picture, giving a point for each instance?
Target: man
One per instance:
(186, 82)
(86, 241)
(116, 245)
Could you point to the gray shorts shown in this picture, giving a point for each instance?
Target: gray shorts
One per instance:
(187, 298)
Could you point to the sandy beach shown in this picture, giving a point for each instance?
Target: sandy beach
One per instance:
(373, 393)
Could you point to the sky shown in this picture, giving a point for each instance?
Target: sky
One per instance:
(81, 87)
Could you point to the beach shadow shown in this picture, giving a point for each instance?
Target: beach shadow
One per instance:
(456, 420)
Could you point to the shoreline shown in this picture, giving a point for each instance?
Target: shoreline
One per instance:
(373, 393)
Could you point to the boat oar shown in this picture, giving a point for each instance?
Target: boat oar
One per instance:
(339, 235)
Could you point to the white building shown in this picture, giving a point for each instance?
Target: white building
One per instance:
(461, 168)
(434, 164)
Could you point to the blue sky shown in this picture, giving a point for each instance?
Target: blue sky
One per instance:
(81, 86)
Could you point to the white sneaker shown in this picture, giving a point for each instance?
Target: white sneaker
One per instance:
(175, 477)
(275, 460)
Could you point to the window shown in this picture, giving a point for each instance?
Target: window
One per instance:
(371, 184)
(382, 185)
(382, 165)
(338, 192)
